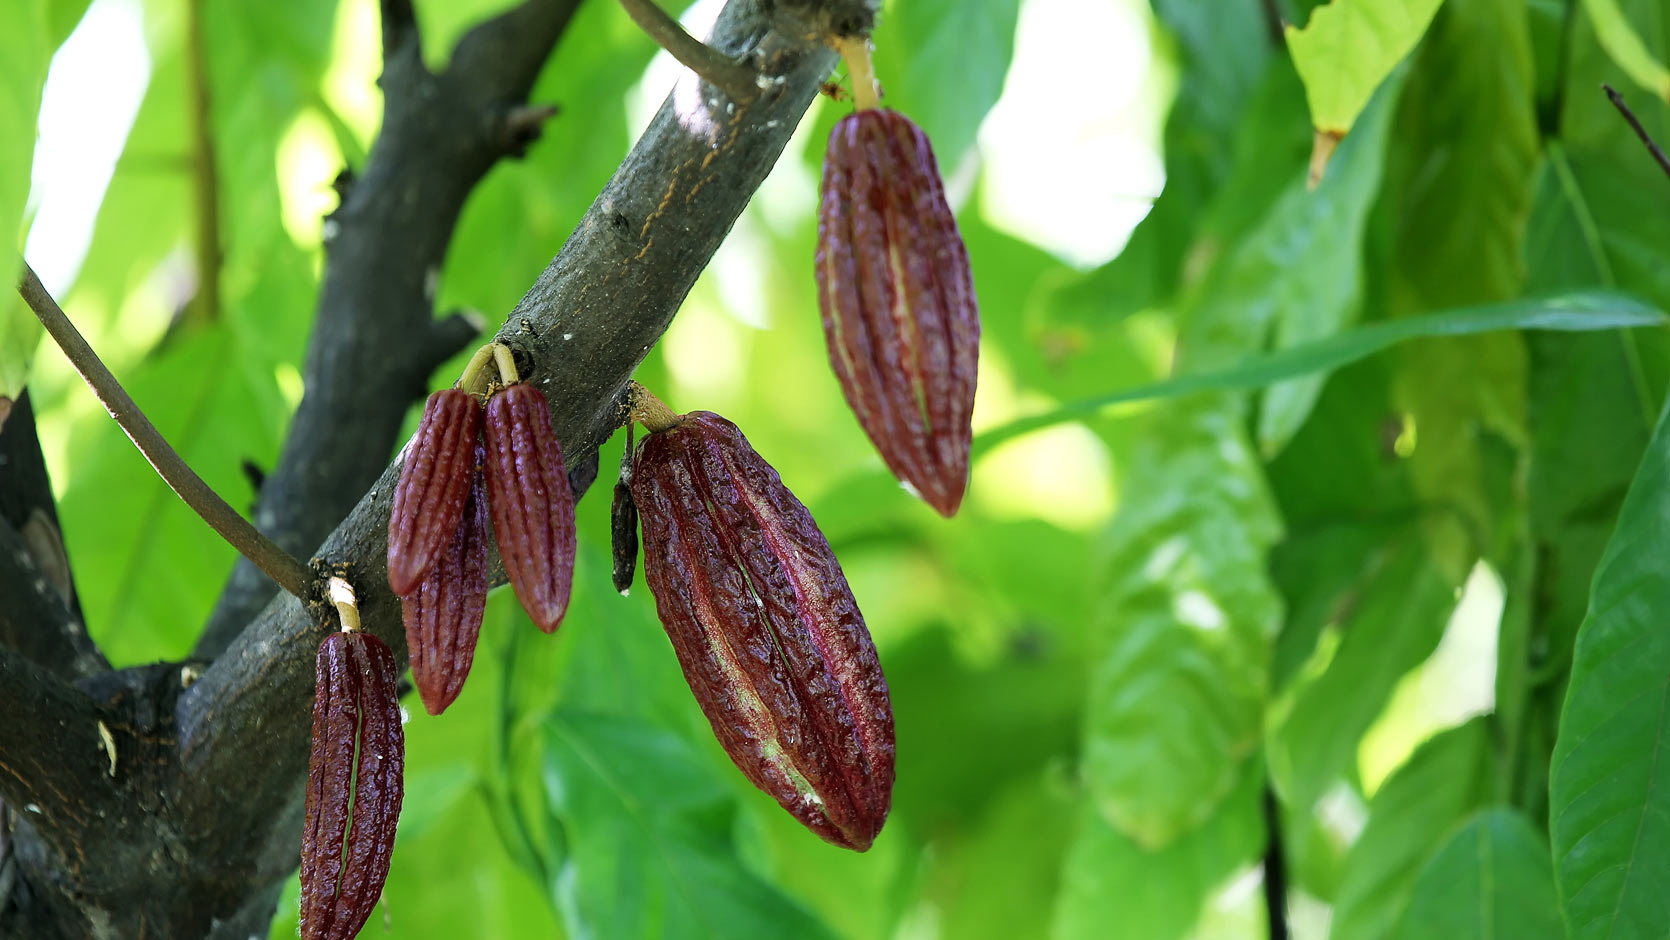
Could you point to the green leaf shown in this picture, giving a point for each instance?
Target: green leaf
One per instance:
(1413, 814)
(25, 50)
(1393, 626)
(1609, 793)
(1178, 678)
(1113, 888)
(1624, 45)
(1490, 882)
(1576, 312)
(1348, 48)
(650, 850)
(943, 62)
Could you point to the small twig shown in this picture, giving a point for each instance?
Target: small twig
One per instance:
(1641, 132)
(736, 79)
(1275, 869)
(205, 176)
(290, 574)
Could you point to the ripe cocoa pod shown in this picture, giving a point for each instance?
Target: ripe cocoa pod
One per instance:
(443, 616)
(531, 503)
(899, 311)
(434, 483)
(768, 633)
(355, 710)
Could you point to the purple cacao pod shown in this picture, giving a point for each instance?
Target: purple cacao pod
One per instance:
(352, 806)
(434, 483)
(899, 311)
(531, 502)
(443, 615)
(766, 629)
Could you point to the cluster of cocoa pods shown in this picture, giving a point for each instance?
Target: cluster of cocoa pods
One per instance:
(757, 609)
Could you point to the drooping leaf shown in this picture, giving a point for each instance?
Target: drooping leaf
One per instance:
(1113, 888)
(1609, 797)
(649, 839)
(1491, 881)
(1583, 311)
(1411, 816)
(1348, 48)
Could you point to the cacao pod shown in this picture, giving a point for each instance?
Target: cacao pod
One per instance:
(531, 502)
(355, 711)
(434, 483)
(899, 311)
(766, 629)
(443, 615)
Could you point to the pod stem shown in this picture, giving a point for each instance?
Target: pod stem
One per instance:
(651, 411)
(470, 381)
(507, 364)
(866, 95)
(347, 605)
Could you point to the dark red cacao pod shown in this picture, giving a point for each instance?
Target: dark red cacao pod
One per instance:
(531, 502)
(443, 616)
(343, 865)
(434, 483)
(766, 629)
(899, 311)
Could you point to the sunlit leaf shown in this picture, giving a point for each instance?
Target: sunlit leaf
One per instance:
(1348, 48)
(1610, 801)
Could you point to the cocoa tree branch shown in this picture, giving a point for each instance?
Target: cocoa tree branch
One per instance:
(724, 72)
(54, 762)
(277, 563)
(375, 339)
(582, 329)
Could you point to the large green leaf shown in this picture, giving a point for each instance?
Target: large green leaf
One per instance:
(1490, 882)
(1412, 815)
(1577, 312)
(650, 850)
(943, 62)
(1113, 888)
(1609, 794)
(1177, 683)
(1348, 48)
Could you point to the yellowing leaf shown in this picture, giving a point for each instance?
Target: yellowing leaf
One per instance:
(1348, 48)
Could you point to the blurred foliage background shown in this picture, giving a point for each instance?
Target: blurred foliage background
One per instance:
(1348, 601)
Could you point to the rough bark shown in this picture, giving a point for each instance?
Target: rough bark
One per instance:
(195, 831)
